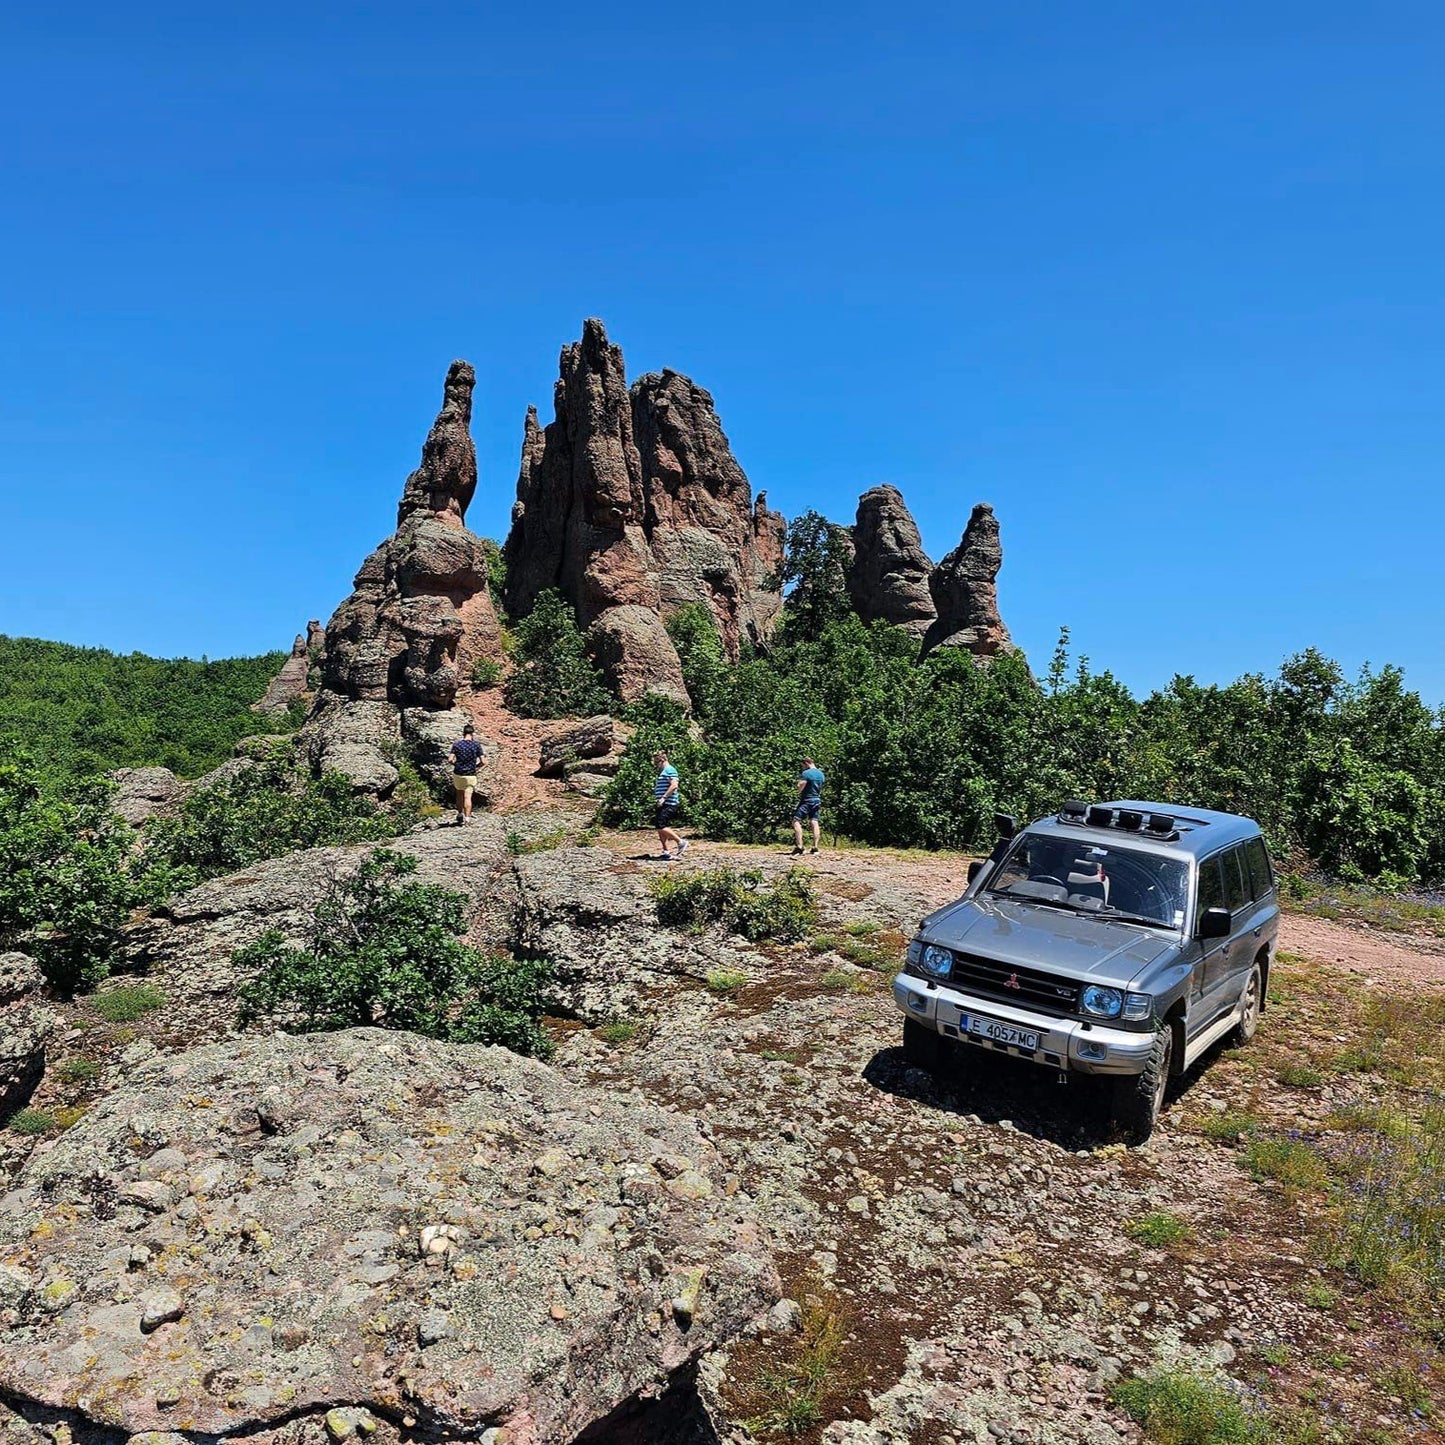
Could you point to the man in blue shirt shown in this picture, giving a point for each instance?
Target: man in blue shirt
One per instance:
(466, 756)
(810, 804)
(667, 800)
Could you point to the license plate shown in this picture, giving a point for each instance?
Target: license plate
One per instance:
(1000, 1033)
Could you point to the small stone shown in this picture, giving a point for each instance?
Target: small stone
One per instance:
(437, 1240)
(433, 1326)
(160, 1307)
(785, 1317)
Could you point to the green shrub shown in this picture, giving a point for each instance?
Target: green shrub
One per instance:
(125, 1003)
(386, 952)
(619, 1031)
(1299, 1076)
(264, 812)
(32, 1121)
(1230, 1128)
(1177, 1408)
(552, 674)
(486, 673)
(1289, 1162)
(743, 901)
(1157, 1230)
(726, 980)
(78, 1070)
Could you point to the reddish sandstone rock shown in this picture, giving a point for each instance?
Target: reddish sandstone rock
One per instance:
(888, 580)
(965, 591)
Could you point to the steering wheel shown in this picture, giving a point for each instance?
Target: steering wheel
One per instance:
(1049, 878)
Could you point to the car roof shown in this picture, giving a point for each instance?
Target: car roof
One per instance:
(1198, 831)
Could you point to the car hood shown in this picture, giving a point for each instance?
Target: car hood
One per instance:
(1053, 939)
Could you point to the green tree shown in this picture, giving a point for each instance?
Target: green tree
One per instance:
(552, 675)
(814, 575)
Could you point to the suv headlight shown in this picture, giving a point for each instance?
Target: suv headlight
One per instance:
(1104, 1003)
(937, 962)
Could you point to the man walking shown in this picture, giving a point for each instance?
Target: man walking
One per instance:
(466, 756)
(667, 798)
(810, 804)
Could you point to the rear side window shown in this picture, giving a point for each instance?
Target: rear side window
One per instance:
(1211, 886)
(1236, 880)
(1256, 857)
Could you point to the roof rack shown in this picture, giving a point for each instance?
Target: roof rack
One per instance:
(1162, 827)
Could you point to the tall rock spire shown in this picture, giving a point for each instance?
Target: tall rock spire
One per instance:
(888, 580)
(446, 480)
(965, 591)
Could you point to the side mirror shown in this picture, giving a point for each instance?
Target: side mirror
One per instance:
(1215, 923)
(974, 869)
(1006, 824)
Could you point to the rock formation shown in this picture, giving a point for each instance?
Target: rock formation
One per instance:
(419, 619)
(25, 1025)
(291, 682)
(965, 591)
(344, 1229)
(632, 505)
(888, 580)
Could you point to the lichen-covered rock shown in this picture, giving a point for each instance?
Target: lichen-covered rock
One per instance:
(593, 737)
(633, 499)
(965, 591)
(888, 580)
(357, 738)
(145, 793)
(25, 1025)
(271, 1229)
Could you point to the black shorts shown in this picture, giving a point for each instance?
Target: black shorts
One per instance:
(665, 815)
(808, 809)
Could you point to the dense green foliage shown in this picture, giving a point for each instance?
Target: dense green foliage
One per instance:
(552, 674)
(814, 574)
(744, 901)
(89, 711)
(1348, 774)
(68, 873)
(263, 812)
(387, 952)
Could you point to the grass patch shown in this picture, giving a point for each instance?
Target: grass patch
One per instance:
(743, 900)
(1299, 1076)
(1395, 912)
(1177, 1408)
(862, 928)
(1319, 1296)
(1275, 1353)
(1158, 1230)
(77, 1070)
(842, 980)
(879, 950)
(726, 981)
(518, 844)
(1229, 1128)
(127, 1002)
(619, 1031)
(32, 1122)
(786, 1399)
(1290, 1163)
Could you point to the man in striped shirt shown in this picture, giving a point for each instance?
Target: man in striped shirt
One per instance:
(667, 800)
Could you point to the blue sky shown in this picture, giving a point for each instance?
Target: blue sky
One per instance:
(1162, 283)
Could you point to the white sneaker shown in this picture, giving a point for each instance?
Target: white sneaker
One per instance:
(667, 857)
(683, 847)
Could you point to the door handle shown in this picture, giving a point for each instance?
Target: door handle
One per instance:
(1259, 930)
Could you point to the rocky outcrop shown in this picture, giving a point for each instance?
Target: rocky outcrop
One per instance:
(634, 500)
(590, 739)
(145, 793)
(352, 1228)
(888, 578)
(292, 681)
(420, 616)
(25, 1025)
(965, 591)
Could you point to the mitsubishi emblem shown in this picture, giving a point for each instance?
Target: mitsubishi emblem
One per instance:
(1012, 981)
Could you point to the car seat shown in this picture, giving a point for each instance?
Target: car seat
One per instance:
(1087, 879)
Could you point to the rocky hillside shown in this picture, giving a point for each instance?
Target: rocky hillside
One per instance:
(729, 1210)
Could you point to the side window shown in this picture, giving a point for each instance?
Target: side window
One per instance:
(1236, 880)
(1211, 887)
(1261, 880)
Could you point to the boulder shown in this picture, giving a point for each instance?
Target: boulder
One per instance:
(965, 592)
(368, 1225)
(634, 499)
(593, 737)
(25, 1025)
(145, 793)
(888, 579)
(356, 738)
(631, 647)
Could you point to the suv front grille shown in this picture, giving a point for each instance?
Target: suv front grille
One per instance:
(1027, 987)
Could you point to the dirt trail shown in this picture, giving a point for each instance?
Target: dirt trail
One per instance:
(1366, 951)
(518, 739)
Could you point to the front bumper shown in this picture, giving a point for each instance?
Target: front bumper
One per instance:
(1088, 1048)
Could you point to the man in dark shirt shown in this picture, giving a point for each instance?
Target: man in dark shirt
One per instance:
(466, 757)
(810, 804)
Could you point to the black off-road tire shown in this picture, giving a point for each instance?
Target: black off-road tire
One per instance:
(922, 1047)
(1138, 1098)
(1253, 1000)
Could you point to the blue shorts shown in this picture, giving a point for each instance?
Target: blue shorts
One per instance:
(808, 810)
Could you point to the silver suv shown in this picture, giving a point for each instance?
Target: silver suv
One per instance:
(1117, 939)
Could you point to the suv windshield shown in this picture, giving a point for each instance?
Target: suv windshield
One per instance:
(1094, 878)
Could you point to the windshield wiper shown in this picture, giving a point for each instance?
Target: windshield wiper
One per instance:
(1029, 898)
(1118, 915)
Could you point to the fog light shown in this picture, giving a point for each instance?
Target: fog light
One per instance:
(1095, 1053)
(917, 1002)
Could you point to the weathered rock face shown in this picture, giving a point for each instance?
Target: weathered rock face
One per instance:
(965, 591)
(888, 580)
(144, 793)
(270, 1229)
(420, 616)
(290, 683)
(631, 646)
(635, 500)
(593, 737)
(25, 1025)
